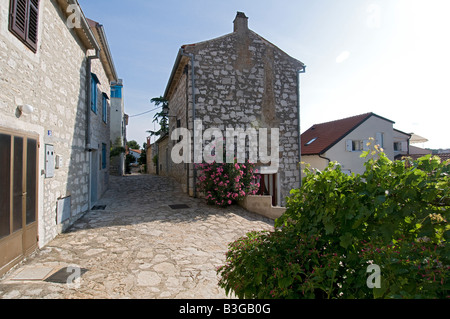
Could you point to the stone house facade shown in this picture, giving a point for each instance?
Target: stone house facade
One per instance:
(54, 121)
(239, 80)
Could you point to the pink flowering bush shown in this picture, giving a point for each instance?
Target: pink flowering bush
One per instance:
(225, 183)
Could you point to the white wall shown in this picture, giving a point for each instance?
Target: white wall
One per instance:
(351, 160)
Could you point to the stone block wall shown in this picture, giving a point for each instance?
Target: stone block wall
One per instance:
(244, 81)
(53, 81)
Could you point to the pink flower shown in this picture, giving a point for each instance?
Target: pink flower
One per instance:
(229, 202)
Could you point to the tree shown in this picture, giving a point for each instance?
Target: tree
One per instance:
(161, 117)
(133, 145)
(143, 159)
(117, 148)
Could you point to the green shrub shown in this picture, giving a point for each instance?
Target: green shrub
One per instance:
(395, 215)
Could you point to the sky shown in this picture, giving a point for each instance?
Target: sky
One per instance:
(389, 57)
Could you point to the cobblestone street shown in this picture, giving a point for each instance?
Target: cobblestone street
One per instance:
(138, 247)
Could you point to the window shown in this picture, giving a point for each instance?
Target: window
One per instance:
(380, 139)
(103, 155)
(105, 108)
(94, 82)
(116, 91)
(356, 145)
(23, 21)
(400, 146)
(312, 141)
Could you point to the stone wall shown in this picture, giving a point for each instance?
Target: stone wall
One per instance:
(99, 129)
(244, 81)
(179, 116)
(53, 81)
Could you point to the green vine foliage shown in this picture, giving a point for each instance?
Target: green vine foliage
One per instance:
(394, 215)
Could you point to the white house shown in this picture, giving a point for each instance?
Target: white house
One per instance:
(135, 153)
(344, 141)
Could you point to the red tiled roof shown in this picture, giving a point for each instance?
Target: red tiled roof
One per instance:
(325, 135)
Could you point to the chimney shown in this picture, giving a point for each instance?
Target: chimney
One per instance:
(240, 22)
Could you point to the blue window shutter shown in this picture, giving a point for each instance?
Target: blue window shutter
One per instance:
(94, 82)
(105, 108)
(93, 95)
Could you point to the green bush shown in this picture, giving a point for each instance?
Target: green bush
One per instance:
(395, 215)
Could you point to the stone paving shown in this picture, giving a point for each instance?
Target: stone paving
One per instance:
(138, 247)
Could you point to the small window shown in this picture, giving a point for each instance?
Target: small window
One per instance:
(105, 108)
(312, 141)
(94, 82)
(380, 139)
(24, 21)
(355, 145)
(116, 91)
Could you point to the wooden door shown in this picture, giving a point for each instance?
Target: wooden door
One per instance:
(18, 197)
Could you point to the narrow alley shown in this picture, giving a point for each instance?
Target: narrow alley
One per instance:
(135, 245)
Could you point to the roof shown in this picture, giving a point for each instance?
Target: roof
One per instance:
(321, 137)
(105, 53)
(188, 50)
(84, 32)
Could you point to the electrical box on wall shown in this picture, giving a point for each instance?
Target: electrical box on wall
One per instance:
(58, 161)
(49, 161)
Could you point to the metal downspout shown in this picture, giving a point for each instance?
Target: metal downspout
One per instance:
(299, 132)
(89, 98)
(191, 56)
(88, 117)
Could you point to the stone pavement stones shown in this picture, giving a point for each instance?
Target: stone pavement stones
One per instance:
(138, 247)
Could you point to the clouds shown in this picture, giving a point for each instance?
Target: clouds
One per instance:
(342, 57)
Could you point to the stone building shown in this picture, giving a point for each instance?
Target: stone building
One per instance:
(55, 74)
(239, 80)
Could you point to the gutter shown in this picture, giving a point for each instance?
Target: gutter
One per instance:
(85, 28)
(107, 51)
(298, 120)
(88, 118)
(325, 158)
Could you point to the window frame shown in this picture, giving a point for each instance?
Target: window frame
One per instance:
(94, 83)
(24, 22)
(105, 108)
(116, 91)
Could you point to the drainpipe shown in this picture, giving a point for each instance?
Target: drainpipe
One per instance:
(191, 56)
(89, 98)
(88, 117)
(325, 158)
(299, 132)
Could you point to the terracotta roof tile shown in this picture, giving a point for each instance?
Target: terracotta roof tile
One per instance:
(321, 137)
